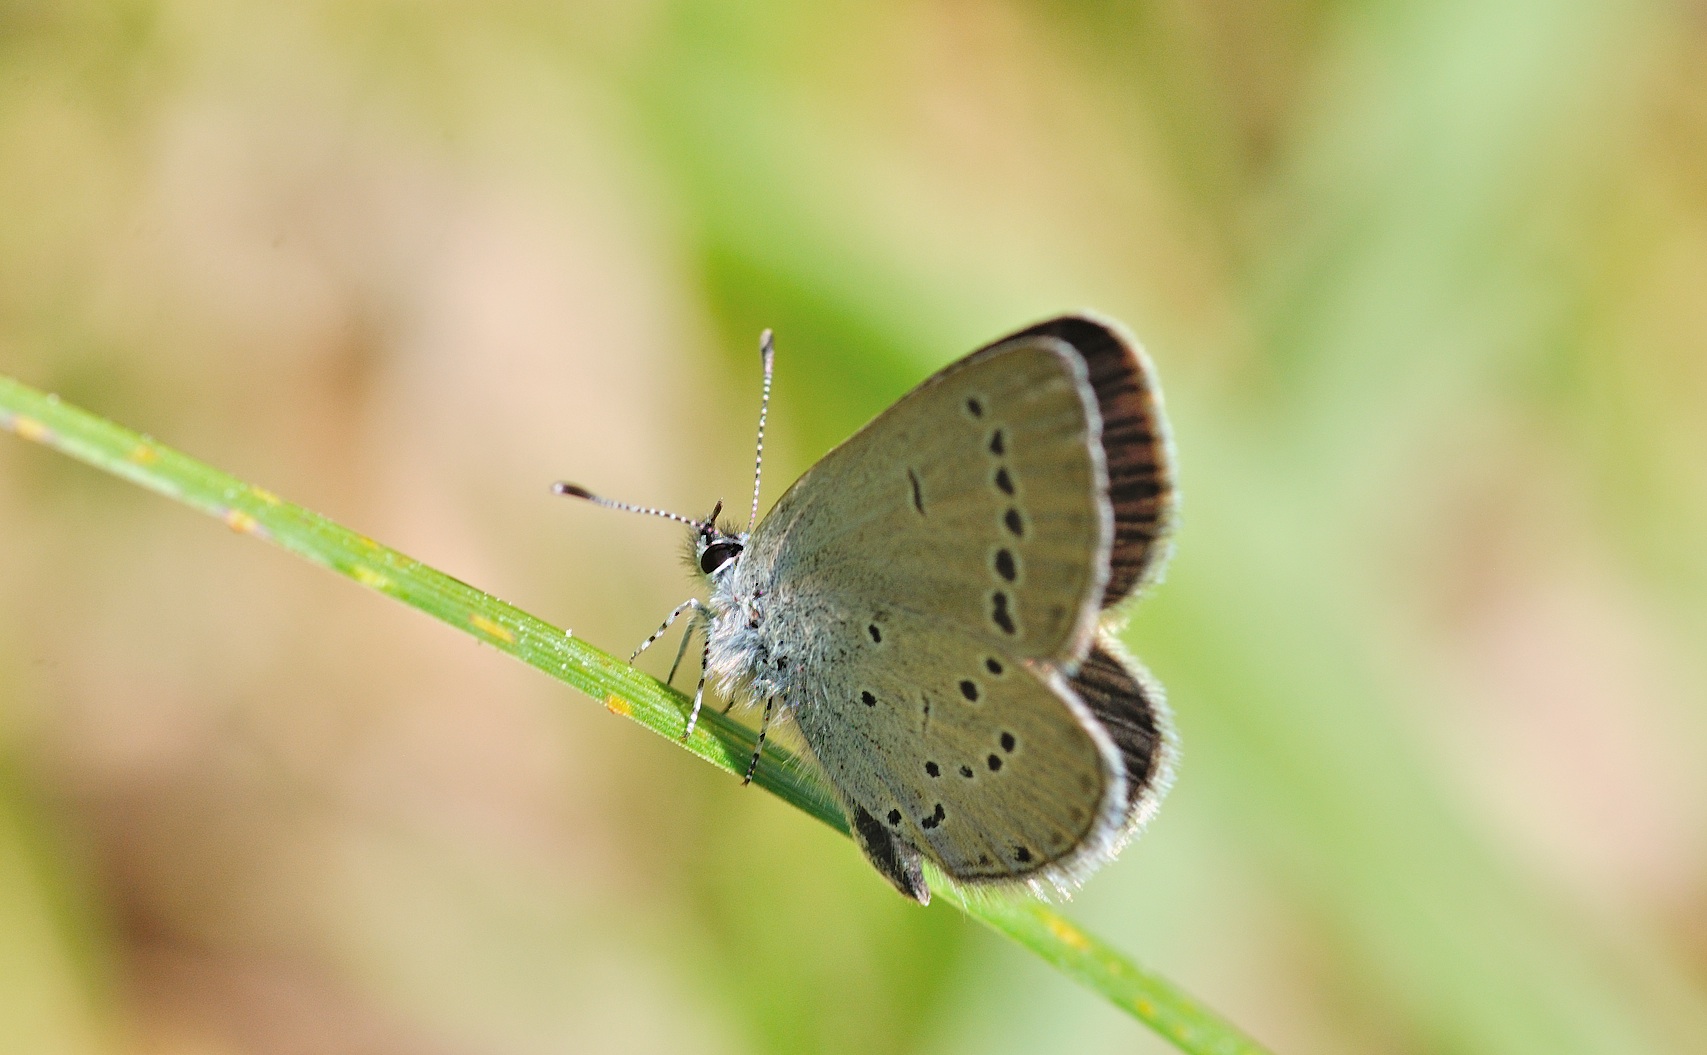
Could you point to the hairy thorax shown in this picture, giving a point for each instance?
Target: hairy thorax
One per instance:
(747, 662)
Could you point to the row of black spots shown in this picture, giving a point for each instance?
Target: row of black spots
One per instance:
(1022, 854)
(918, 495)
(867, 698)
(974, 406)
(994, 665)
(1009, 743)
(1003, 561)
(937, 816)
(969, 689)
(1000, 615)
(876, 634)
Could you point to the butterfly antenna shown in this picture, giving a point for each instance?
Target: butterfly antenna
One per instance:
(767, 351)
(575, 491)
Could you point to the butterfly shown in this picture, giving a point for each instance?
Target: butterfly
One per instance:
(930, 604)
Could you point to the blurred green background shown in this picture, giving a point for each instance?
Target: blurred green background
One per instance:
(1427, 287)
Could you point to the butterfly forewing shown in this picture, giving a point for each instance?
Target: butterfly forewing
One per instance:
(979, 500)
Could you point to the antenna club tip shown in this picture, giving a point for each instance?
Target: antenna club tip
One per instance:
(563, 487)
(767, 345)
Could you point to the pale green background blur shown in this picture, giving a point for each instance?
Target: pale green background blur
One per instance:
(1427, 286)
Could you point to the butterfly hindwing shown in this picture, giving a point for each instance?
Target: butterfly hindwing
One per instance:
(988, 765)
(1130, 707)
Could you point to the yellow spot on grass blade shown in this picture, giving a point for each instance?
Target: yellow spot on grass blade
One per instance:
(618, 705)
(368, 577)
(143, 454)
(492, 629)
(31, 429)
(240, 522)
(264, 496)
(1068, 935)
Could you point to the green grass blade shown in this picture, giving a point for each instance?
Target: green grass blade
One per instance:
(44, 419)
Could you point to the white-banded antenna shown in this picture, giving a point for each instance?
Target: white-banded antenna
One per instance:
(576, 491)
(767, 351)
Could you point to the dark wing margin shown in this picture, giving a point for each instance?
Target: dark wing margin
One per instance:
(1136, 445)
(898, 861)
(1131, 709)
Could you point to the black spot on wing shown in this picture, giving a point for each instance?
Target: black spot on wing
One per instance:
(898, 861)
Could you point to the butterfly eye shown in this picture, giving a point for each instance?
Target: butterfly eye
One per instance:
(717, 555)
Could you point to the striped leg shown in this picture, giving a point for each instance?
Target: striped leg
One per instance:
(759, 748)
(692, 602)
(681, 650)
(698, 692)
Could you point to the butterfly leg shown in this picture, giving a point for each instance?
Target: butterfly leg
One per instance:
(759, 748)
(692, 602)
(681, 650)
(698, 692)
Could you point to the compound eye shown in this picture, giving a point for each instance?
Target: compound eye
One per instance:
(717, 555)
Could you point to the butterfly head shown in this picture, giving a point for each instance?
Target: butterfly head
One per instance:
(716, 550)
